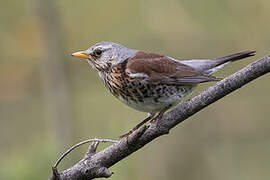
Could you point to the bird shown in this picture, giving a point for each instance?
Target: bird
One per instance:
(151, 82)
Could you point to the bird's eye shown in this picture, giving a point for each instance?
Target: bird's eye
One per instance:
(97, 52)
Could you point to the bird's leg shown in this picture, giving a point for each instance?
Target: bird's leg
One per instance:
(149, 117)
(160, 114)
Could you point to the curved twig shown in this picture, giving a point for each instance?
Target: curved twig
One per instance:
(79, 144)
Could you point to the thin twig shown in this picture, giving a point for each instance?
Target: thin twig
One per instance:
(79, 144)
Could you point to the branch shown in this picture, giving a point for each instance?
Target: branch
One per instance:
(96, 165)
(92, 148)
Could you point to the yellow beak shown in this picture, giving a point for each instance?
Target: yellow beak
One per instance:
(80, 54)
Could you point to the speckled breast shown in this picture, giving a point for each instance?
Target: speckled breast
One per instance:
(143, 96)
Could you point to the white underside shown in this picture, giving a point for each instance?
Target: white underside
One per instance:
(151, 106)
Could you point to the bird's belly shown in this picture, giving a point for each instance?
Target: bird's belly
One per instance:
(149, 104)
(153, 98)
(144, 96)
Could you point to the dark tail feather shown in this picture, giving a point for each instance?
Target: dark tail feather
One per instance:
(234, 57)
(210, 66)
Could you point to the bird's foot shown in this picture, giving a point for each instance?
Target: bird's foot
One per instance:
(127, 134)
(149, 117)
(160, 115)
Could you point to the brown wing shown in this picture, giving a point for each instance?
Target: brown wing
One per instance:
(159, 68)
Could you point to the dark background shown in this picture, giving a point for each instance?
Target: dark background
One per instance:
(50, 101)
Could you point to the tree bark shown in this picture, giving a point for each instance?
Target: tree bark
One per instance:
(95, 165)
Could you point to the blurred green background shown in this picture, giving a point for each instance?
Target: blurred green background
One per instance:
(50, 101)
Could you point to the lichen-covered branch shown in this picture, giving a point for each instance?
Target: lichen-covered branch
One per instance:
(96, 165)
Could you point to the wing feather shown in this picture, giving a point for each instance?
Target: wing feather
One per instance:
(161, 69)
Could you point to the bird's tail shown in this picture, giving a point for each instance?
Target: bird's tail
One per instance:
(234, 57)
(223, 61)
(209, 66)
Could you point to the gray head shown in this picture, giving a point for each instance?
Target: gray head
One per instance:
(103, 55)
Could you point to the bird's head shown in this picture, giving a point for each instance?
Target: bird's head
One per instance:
(103, 55)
